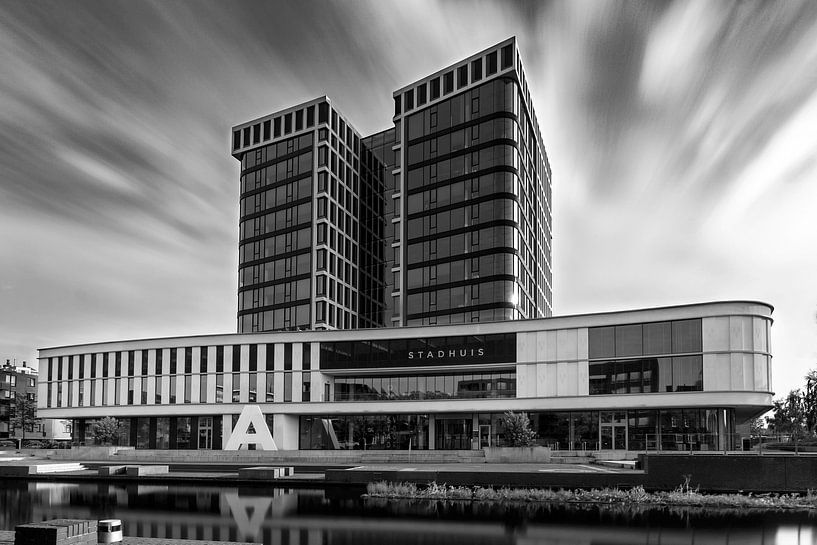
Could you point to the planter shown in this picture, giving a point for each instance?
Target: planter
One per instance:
(506, 455)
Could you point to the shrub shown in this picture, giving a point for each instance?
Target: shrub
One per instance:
(517, 429)
(32, 444)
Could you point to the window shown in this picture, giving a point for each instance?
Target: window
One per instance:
(288, 386)
(507, 56)
(448, 83)
(408, 100)
(476, 70)
(310, 116)
(421, 95)
(435, 88)
(491, 62)
(462, 76)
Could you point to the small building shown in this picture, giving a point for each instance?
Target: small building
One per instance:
(16, 381)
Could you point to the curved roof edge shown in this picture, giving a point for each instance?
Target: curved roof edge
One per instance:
(555, 322)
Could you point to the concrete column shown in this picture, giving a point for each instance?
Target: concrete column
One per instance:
(285, 431)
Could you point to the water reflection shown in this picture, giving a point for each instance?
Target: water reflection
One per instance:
(305, 517)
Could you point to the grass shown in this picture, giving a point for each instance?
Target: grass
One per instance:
(683, 495)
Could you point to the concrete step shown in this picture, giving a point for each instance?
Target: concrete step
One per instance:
(56, 468)
(571, 459)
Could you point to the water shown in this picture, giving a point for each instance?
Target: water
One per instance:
(338, 517)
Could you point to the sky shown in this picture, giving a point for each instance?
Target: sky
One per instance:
(682, 138)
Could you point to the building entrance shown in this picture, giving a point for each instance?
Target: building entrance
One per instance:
(613, 430)
(484, 435)
(453, 433)
(206, 432)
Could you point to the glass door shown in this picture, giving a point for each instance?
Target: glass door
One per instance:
(613, 430)
(206, 432)
(484, 435)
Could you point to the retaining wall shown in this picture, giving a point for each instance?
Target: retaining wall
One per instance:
(280, 457)
(718, 473)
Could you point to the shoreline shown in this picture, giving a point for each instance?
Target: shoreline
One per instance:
(682, 496)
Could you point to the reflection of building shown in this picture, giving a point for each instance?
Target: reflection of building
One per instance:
(671, 378)
(443, 218)
(311, 516)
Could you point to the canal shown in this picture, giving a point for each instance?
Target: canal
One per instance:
(311, 517)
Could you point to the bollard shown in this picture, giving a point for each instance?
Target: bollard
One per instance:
(109, 531)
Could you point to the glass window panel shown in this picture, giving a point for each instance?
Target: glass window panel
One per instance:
(628, 340)
(687, 373)
(602, 342)
(657, 338)
(686, 336)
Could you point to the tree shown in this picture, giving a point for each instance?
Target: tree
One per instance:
(810, 401)
(25, 414)
(757, 427)
(106, 430)
(789, 416)
(518, 430)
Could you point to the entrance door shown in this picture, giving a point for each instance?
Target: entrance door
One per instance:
(613, 430)
(484, 435)
(206, 432)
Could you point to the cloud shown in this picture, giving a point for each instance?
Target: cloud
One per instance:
(681, 137)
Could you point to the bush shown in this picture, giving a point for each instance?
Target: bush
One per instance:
(32, 444)
(518, 430)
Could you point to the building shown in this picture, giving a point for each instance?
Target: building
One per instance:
(395, 293)
(16, 381)
(443, 218)
(474, 183)
(673, 378)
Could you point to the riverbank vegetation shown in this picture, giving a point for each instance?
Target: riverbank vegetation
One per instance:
(684, 495)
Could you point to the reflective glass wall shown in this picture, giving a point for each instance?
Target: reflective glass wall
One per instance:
(478, 216)
(649, 357)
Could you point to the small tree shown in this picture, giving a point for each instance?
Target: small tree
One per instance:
(757, 427)
(789, 416)
(106, 430)
(25, 414)
(810, 402)
(518, 430)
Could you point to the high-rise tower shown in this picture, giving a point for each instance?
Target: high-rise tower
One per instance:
(443, 218)
(310, 222)
(474, 185)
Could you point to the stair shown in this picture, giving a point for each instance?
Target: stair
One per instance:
(571, 457)
(56, 468)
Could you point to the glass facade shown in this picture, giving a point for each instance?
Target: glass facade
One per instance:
(478, 210)
(275, 235)
(289, 276)
(379, 162)
(454, 350)
(364, 432)
(637, 429)
(668, 358)
(162, 432)
(443, 386)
